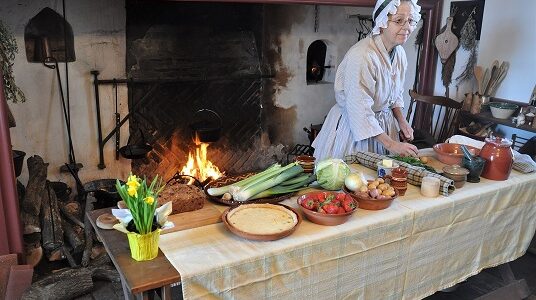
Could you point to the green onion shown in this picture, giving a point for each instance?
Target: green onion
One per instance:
(286, 188)
(218, 191)
(262, 184)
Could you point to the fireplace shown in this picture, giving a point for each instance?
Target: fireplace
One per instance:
(202, 59)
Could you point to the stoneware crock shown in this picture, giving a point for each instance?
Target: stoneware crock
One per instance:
(499, 158)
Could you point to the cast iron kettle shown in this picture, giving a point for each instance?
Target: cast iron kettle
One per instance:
(136, 151)
(207, 127)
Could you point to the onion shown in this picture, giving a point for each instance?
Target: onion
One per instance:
(353, 182)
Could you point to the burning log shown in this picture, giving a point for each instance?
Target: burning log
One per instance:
(51, 222)
(31, 204)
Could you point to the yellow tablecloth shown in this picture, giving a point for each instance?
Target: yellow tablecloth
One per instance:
(410, 250)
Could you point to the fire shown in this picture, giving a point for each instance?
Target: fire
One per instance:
(199, 166)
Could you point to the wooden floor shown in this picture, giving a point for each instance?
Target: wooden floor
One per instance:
(478, 285)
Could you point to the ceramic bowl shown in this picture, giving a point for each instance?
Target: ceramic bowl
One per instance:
(370, 203)
(323, 218)
(451, 154)
(501, 110)
(456, 173)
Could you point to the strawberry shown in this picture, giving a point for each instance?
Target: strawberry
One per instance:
(348, 204)
(321, 197)
(341, 211)
(341, 196)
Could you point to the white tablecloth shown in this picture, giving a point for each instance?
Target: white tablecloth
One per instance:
(410, 250)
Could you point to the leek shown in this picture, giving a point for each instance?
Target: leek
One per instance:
(286, 188)
(243, 194)
(218, 191)
(296, 179)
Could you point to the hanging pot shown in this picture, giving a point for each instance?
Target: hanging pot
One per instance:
(136, 151)
(206, 129)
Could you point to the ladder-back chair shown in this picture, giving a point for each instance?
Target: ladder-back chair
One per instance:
(518, 141)
(434, 115)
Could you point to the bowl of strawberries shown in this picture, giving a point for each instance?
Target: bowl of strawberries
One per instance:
(327, 208)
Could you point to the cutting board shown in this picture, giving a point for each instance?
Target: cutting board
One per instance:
(446, 42)
(207, 215)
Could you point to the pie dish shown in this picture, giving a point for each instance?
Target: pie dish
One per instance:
(261, 221)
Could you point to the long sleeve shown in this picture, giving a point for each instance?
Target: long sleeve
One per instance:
(402, 67)
(359, 88)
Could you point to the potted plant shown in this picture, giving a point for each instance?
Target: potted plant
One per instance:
(143, 230)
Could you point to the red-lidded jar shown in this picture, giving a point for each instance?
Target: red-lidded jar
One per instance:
(499, 158)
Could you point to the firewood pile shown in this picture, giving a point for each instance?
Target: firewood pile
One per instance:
(56, 231)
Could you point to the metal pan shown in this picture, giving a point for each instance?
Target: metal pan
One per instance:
(136, 151)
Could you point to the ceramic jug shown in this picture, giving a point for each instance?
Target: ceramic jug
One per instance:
(499, 158)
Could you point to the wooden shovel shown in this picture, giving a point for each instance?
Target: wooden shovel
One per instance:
(492, 76)
(485, 82)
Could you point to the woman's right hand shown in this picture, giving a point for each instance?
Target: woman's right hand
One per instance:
(403, 149)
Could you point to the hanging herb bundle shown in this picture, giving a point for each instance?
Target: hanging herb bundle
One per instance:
(8, 49)
(469, 43)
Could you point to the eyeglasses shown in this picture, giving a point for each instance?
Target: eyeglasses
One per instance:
(402, 22)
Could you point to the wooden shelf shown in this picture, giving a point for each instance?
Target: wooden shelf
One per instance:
(486, 116)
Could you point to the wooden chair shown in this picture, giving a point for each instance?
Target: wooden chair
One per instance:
(433, 116)
(518, 141)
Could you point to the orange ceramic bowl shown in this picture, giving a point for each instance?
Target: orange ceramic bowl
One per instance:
(323, 218)
(369, 203)
(452, 154)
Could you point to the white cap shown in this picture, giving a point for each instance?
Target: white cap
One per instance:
(385, 7)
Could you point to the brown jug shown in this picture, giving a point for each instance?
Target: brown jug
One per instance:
(499, 158)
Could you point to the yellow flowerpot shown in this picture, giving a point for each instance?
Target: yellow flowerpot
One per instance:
(144, 246)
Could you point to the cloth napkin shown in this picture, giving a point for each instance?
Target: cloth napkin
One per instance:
(415, 174)
(522, 162)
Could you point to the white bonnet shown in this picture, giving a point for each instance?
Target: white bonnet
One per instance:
(385, 7)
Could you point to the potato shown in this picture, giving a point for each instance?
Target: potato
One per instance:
(363, 195)
(371, 186)
(376, 182)
(374, 193)
(388, 193)
(424, 159)
(383, 186)
(363, 189)
(380, 180)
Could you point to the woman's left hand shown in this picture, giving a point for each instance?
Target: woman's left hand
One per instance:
(407, 131)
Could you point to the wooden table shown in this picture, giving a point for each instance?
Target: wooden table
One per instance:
(138, 278)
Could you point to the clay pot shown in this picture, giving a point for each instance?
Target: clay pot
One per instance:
(456, 173)
(398, 180)
(499, 158)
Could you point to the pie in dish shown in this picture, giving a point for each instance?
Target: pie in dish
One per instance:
(262, 219)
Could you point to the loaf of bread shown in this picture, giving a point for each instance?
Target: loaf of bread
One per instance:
(183, 197)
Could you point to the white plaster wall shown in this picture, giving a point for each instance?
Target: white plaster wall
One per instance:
(508, 34)
(313, 102)
(99, 37)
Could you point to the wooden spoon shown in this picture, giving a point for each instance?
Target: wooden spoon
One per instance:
(492, 77)
(485, 82)
(479, 74)
(500, 77)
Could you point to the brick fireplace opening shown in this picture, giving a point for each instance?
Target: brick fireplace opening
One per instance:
(200, 58)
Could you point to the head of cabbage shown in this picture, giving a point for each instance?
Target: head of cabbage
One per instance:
(330, 173)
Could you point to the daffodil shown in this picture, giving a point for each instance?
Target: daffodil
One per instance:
(133, 181)
(132, 191)
(140, 199)
(149, 200)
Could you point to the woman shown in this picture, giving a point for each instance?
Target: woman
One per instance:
(368, 89)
